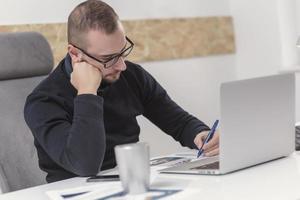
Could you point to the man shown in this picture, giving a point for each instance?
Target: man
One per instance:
(89, 103)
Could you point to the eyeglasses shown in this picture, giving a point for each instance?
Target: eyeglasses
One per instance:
(114, 58)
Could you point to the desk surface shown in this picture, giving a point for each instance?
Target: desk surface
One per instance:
(279, 179)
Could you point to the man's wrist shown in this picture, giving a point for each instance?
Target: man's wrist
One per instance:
(87, 91)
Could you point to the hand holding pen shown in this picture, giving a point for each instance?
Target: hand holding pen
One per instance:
(208, 142)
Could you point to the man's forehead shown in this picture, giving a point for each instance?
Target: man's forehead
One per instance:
(106, 45)
(115, 52)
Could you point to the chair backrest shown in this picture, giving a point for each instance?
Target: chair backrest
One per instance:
(25, 58)
(298, 138)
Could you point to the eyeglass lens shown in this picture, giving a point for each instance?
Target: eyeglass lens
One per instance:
(116, 58)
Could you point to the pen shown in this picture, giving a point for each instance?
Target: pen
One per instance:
(208, 137)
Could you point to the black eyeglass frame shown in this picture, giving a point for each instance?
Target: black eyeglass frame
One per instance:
(104, 63)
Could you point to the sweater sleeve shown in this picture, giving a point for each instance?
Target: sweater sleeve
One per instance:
(160, 109)
(75, 143)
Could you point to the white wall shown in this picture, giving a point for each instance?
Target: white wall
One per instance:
(193, 83)
(257, 37)
(266, 34)
(287, 18)
(52, 11)
(35, 11)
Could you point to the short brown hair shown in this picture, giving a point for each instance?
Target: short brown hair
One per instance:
(90, 15)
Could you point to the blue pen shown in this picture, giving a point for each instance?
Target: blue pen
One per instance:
(208, 137)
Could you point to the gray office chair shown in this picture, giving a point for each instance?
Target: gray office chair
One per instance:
(24, 60)
(298, 138)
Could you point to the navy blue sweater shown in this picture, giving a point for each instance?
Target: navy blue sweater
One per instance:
(76, 135)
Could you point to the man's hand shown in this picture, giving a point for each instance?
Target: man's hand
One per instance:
(85, 78)
(212, 147)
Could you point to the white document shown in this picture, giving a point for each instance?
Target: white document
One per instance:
(161, 162)
(108, 192)
(91, 192)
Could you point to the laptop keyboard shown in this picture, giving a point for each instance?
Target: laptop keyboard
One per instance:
(214, 165)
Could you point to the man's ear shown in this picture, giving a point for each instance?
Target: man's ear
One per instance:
(74, 53)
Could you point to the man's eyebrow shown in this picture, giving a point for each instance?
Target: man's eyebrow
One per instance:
(107, 56)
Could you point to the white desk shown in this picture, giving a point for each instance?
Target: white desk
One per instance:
(274, 180)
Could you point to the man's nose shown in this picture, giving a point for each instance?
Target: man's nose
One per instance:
(120, 65)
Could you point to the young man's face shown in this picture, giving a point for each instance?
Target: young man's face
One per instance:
(106, 49)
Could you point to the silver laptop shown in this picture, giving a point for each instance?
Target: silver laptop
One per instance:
(257, 125)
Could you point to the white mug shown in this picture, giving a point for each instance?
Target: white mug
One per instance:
(134, 168)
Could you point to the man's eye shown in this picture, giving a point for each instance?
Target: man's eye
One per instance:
(107, 59)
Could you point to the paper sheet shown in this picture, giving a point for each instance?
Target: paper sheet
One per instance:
(106, 192)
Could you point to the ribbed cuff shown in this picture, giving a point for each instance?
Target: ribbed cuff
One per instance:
(191, 132)
(88, 105)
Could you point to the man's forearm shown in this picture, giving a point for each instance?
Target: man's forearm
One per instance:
(77, 144)
(85, 145)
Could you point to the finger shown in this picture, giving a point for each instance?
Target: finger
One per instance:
(72, 77)
(100, 71)
(212, 153)
(200, 138)
(198, 142)
(96, 68)
(213, 142)
(210, 149)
